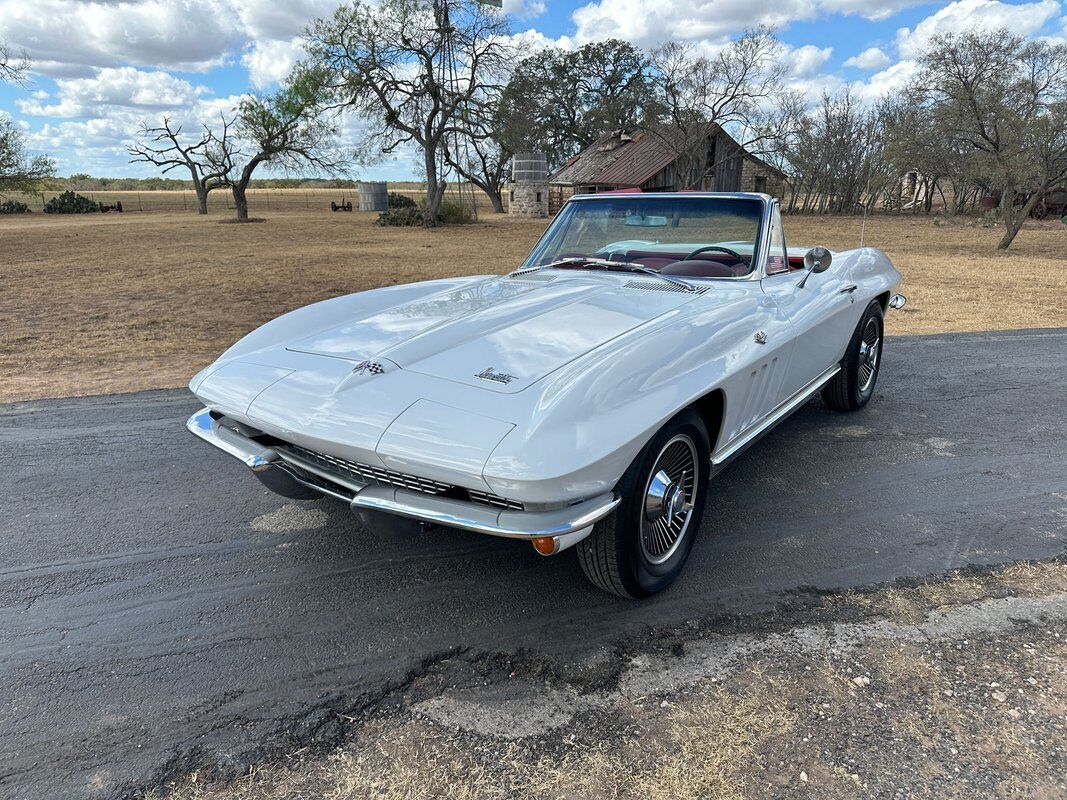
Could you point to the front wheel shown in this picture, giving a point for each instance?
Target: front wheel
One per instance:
(853, 386)
(642, 547)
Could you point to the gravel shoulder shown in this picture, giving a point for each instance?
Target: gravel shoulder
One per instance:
(953, 688)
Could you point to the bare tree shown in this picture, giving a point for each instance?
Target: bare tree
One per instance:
(1004, 99)
(697, 95)
(837, 160)
(413, 68)
(162, 146)
(13, 64)
(289, 129)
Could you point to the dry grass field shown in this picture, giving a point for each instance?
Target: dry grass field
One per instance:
(113, 303)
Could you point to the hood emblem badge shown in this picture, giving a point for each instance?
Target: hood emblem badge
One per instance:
(372, 367)
(489, 374)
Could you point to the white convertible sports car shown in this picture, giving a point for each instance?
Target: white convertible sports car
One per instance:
(584, 400)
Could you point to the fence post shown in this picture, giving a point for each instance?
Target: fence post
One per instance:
(268, 199)
(139, 206)
(184, 206)
(307, 202)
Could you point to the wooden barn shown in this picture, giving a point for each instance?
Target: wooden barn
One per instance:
(637, 159)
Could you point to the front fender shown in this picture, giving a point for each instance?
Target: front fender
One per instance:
(594, 416)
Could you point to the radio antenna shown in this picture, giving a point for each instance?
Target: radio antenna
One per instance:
(863, 224)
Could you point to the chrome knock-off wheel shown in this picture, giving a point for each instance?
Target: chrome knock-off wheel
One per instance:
(869, 349)
(669, 495)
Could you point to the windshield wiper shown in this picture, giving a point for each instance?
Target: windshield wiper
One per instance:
(608, 264)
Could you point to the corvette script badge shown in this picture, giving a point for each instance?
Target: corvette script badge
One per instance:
(489, 374)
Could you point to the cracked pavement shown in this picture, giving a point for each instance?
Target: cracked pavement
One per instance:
(159, 610)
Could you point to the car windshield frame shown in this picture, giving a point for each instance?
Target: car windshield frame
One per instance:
(563, 220)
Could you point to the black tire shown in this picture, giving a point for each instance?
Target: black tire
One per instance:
(852, 388)
(623, 553)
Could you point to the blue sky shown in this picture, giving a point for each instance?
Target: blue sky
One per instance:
(102, 66)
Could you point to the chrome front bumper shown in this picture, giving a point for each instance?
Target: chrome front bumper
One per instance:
(279, 470)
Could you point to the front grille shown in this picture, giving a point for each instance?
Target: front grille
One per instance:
(378, 476)
(364, 473)
(493, 500)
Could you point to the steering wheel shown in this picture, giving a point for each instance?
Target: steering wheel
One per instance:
(721, 249)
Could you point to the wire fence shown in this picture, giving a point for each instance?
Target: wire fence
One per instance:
(220, 201)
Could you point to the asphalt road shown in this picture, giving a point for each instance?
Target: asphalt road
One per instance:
(158, 609)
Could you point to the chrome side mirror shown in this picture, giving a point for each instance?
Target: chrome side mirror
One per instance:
(817, 259)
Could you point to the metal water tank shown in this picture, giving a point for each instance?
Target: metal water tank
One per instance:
(529, 168)
(373, 196)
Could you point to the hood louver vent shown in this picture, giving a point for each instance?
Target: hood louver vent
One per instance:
(662, 286)
(540, 277)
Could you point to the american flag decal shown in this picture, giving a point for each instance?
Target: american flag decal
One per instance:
(776, 264)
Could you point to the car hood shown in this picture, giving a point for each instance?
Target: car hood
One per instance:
(501, 334)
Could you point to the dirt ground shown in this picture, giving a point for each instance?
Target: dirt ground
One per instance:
(111, 303)
(955, 688)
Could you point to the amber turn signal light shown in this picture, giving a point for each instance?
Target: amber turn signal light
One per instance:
(545, 545)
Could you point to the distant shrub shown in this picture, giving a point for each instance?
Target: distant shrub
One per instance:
(407, 217)
(14, 207)
(410, 216)
(455, 213)
(71, 203)
(397, 200)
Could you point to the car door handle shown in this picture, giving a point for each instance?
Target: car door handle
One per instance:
(849, 289)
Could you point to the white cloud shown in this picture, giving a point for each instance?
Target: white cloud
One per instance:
(646, 23)
(871, 58)
(111, 88)
(269, 62)
(808, 61)
(272, 19)
(887, 82)
(179, 34)
(1022, 19)
(871, 9)
(527, 9)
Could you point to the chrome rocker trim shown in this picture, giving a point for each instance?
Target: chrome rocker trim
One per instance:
(507, 523)
(776, 415)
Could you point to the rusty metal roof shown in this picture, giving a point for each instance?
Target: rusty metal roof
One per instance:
(626, 159)
(638, 161)
(621, 158)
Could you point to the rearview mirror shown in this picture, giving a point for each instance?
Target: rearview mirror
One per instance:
(818, 259)
(638, 221)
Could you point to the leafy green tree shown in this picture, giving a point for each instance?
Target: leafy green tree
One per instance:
(20, 171)
(561, 101)
(289, 129)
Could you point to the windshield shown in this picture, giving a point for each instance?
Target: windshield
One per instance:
(687, 236)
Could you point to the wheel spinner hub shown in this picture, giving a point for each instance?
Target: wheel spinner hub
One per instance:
(870, 347)
(668, 501)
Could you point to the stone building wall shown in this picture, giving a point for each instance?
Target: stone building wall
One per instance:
(528, 199)
(750, 170)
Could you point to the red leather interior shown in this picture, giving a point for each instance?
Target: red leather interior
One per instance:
(704, 268)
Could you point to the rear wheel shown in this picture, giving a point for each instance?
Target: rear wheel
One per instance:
(642, 547)
(853, 386)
